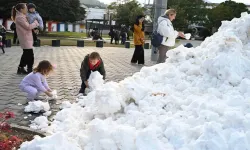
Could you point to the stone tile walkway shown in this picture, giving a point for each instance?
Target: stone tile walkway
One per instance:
(66, 78)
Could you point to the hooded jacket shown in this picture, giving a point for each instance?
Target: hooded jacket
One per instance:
(166, 29)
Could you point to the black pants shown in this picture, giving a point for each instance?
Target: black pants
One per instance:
(2, 47)
(27, 59)
(138, 55)
(83, 86)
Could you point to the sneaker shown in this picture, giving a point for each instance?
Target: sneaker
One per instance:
(21, 70)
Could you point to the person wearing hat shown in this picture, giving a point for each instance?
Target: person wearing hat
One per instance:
(32, 16)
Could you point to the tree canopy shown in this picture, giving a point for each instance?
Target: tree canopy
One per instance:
(225, 11)
(126, 13)
(58, 10)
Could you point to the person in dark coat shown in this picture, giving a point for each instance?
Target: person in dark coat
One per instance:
(2, 37)
(91, 62)
(112, 35)
(13, 28)
(117, 37)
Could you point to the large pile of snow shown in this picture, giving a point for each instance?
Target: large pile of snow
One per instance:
(198, 100)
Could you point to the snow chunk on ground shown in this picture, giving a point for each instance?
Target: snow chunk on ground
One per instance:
(65, 104)
(37, 106)
(40, 123)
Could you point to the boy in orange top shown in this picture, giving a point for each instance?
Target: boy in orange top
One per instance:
(138, 56)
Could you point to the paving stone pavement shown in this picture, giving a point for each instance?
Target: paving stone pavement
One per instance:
(65, 79)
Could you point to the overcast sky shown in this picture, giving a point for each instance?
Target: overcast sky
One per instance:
(213, 1)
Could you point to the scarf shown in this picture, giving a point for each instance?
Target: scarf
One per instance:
(93, 67)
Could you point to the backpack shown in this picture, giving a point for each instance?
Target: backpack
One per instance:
(156, 38)
(13, 26)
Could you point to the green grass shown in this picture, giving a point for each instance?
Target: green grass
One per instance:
(67, 39)
(67, 35)
(71, 42)
(67, 42)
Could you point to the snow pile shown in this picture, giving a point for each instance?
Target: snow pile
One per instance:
(65, 104)
(37, 106)
(95, 80)
(40, 123)
(197, 100)
(57, 141)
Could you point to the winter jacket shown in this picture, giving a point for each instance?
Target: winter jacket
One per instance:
(138, 34)
(36, 80)
(85, 69)
(35, 16)
(166, 29)
(24, 31)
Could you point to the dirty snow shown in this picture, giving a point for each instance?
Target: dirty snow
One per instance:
(198, 100)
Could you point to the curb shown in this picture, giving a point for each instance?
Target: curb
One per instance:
(27, 130)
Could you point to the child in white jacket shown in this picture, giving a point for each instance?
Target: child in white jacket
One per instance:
(166, 29)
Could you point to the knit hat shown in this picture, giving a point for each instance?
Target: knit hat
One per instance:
(31, 5)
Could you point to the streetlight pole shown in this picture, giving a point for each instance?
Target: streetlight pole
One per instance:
(160, 8)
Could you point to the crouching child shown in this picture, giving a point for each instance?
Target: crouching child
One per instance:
(91, 62)
(35, 83)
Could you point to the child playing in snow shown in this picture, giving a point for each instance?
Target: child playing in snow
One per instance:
(91, 62)
(35, 82)
(32, 16)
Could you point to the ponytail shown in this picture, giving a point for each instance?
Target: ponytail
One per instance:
(13, 13)
(15, 9)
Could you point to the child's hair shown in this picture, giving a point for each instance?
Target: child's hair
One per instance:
(16, 8)
(94, 55)
(44, 67)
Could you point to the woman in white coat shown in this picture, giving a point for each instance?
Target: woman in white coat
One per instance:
(166, 29)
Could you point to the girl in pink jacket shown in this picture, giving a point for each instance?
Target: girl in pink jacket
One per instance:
(24, 33)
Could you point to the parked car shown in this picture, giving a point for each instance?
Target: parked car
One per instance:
(199, 32)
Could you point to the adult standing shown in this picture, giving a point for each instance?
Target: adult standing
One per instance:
(138, 56)
(13, 28)
(24, 33)
(166, 29)
(112, 34)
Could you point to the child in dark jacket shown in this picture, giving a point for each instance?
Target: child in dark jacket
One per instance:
(91, 62)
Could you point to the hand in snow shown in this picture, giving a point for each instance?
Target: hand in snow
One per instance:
(86, 83)
(49, 94)
(49, 90)
(181, 34)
